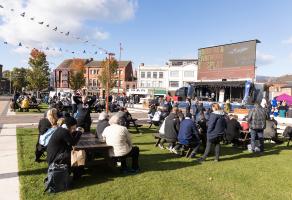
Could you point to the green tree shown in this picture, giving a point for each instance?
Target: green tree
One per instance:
(39, 72)
(18, 78)
(106, 77)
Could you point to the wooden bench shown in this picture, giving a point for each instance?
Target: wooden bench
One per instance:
(133, 122)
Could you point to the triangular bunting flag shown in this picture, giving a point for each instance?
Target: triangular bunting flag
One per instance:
(20, 44)
(73, 52)
(41, 22)
(5, 42)
(55, 29)
(67, 33)
(32, 18)
(1, 6)
(12, 10)
(22, 14)
(95, 52)
(48, 25)
(84, 51)
(47, 48)
(60, 49)
(61, 32)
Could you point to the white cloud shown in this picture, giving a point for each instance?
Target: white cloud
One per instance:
(100, 35)
(264, 59)
(288, 41)
(67, 15)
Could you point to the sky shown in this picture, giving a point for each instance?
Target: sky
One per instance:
(150, 31)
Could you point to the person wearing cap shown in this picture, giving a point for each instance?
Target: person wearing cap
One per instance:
(102, 124)
(61, 142)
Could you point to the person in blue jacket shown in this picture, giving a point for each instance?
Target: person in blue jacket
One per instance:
(188, 136)
(215, 131)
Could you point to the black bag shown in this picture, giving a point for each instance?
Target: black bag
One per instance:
(57, 179)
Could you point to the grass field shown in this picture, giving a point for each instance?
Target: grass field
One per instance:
(239, 175)
(43, 108)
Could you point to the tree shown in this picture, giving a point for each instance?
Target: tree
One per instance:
(18, 78)
(76, 74)
(108, 69)
(39, 72)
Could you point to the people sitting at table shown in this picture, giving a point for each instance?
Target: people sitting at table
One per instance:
(171, 129)
(188, 136)
(215, 131)
(119, 138)
(25, 104)
(82, 114)
(122, 115)
(270, 132)
(44, 125)
(151, 112)
(61, 144)
(156, 120)
(233, 128)
(102, 123)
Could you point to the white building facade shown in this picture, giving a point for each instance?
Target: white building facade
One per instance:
(176, 74)
(180, 72)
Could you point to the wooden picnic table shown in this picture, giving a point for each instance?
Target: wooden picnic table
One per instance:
(34, 106)
(91, 144)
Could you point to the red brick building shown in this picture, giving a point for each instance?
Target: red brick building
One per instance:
(91, 73)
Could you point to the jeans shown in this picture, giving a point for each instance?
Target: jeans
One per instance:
(216, 142)
(260, 135)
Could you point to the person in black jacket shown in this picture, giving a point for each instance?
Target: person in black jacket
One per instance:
(215, 131)
(232, 130)
(171, 129)
(202, 126)
(61, 143)
(83, 112)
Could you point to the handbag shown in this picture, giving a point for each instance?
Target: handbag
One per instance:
(78, 158)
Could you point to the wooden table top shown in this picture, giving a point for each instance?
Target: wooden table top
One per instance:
(88, 141)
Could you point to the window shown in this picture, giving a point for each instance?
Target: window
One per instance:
(154, 74)
(149, 83)
(90, 82)
(189, 74)
(142, 74)
(174, 73)
(133, 86)
(173, 84)
(143, 84)
(94, 82)
(128, 87)
(160, 84)
(148, 74)
(160, 74)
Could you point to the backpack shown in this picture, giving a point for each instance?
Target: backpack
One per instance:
(45, 138)
(57, 179)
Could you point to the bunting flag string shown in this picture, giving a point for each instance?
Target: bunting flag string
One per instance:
(66, 33)
(60, 50)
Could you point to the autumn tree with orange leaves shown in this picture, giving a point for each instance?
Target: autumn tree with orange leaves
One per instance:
(38, 72)
(76, 74)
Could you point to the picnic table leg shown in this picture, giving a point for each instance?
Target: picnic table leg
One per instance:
(136, 127)
(158, 141)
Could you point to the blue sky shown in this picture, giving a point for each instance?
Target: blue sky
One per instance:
(153, 31)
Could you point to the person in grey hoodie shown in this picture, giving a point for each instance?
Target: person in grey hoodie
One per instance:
(215, 131)
(257, 123)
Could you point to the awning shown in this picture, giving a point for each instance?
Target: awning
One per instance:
(219, 84)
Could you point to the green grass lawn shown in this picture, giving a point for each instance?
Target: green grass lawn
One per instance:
(239, 175)
(43, 108)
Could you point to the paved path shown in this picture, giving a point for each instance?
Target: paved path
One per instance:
(9, 180)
